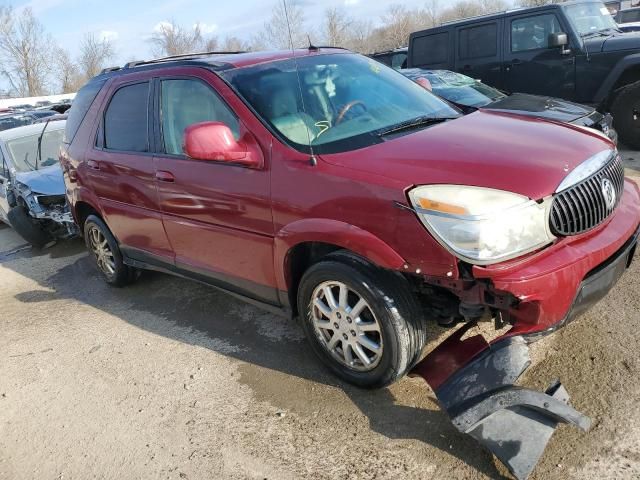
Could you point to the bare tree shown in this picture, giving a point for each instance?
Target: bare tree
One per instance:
(536, 3)
(169, 38)
(285, 20)
(25, 49)
(94, 54)
(67, 72)
(337, 28)
(234, 44)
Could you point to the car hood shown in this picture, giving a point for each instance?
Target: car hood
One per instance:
(614, 43)
(523, 155)
(542, 107)
(45, 181)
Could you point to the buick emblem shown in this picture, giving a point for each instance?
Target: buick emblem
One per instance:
(609, 193)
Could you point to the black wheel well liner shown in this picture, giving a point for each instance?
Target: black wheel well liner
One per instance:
(82, 211)
(298, 260)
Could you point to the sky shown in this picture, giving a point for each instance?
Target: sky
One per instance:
(129, 23)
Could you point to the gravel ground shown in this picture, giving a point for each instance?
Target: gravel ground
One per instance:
(170, 379)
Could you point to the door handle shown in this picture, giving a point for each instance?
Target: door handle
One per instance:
(466, 68)
(517, 61)
(93, 165)
(163, 176)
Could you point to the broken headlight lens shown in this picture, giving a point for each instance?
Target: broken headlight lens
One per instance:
(482, 225)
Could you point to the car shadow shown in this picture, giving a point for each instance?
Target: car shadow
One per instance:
(261, 340)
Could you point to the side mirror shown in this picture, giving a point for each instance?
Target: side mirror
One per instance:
(558, 40)
(214, 141)
(424, 83)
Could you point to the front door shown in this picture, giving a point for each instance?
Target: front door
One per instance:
(217, 215)
(120, 169)
(530, 65)
(4, 185)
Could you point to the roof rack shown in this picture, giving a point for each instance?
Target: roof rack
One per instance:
(474, 17)
(184, 56)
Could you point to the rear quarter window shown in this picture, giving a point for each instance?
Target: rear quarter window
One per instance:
(430, 49)
(80, 106)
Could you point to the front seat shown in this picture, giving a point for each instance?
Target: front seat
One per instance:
(297, 126)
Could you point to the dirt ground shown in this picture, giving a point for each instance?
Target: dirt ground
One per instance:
(171, 379)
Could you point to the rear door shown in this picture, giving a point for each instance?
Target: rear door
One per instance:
(477, 52)
(530, 66)
(432, 49)
(120, 169)
(217, 215)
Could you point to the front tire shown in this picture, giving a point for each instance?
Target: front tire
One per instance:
(27, 227)
(362, 322)
(106, 253)
(626, 115)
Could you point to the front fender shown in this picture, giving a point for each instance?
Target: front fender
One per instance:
(331, 232)
(617, 71)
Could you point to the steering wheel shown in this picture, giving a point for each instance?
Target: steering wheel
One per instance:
(348, 107)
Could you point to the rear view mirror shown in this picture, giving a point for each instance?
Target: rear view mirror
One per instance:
(558, 40)
(215, 141)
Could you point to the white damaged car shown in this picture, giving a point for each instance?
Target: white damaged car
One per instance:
(32, 191)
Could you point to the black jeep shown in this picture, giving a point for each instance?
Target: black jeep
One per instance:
(573, 50)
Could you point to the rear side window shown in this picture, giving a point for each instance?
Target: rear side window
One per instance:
(478, 42)
(126, 119)
(80, 106)
(431, 49)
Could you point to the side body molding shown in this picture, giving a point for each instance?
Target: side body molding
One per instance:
(333, 232)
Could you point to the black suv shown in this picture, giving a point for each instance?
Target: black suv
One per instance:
(573, 50)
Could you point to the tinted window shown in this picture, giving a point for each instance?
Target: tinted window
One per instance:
(125, 121)
(81, 104)
(532, 33)
(478, 42)
(629, 16)
(431, 49)
(185, 102)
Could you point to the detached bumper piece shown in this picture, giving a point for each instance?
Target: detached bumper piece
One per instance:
(474, 383)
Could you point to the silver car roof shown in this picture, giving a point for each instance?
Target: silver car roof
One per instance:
(28, 130)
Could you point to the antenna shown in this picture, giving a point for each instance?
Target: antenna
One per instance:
(312, 160)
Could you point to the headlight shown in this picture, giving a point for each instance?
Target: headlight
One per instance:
(482, 225)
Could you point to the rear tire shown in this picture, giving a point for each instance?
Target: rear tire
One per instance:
(28, 227)
(389, 331)
(104, 249)
(626, 115)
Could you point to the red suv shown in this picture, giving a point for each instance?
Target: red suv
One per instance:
(326, 185)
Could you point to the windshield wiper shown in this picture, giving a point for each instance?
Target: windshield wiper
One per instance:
(413, 123)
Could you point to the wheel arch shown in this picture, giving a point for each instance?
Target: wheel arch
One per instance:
(626, 71)
(303, 243)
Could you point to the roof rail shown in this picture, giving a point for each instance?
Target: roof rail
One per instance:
(108, 69)
(474, 17)
(184, 56)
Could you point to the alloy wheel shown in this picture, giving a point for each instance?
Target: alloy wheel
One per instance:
(346, 326)
(102, 251)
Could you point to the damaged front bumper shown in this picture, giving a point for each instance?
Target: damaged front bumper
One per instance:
(513, 423)
(50, 208)
(474, 380)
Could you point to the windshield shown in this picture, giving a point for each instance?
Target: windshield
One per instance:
(463, 90)
(23, 150)
(342, 103)
(590, 18)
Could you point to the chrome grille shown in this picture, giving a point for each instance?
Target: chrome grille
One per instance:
(584, 206)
